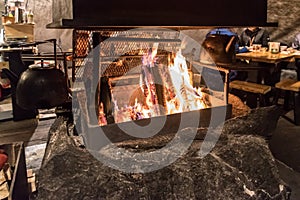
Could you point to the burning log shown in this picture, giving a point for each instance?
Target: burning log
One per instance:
(103, 101)
(164, 89)
(149, 90)
(159, 89)
(151, 77)
(189, 97)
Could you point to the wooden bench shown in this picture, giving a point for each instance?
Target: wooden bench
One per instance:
(290, 88)
(252, 90)
(289, 84)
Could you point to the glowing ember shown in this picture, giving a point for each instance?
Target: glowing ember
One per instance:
(101, 117)
(163, 90)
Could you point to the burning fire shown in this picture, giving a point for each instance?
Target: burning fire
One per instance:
(164, 89)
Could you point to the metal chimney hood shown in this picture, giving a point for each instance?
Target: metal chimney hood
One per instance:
(168, 13)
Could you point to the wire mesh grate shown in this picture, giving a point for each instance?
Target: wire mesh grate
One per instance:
(122, 50)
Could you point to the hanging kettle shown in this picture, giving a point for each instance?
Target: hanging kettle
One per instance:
(41, 86)
(218, 50)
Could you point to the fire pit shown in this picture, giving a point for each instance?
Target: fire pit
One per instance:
(122, 89)
(101, 29)
(137, 77)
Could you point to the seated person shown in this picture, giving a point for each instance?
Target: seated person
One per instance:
(296, 46)
(254, 35)
(257, 35)
(296, 42)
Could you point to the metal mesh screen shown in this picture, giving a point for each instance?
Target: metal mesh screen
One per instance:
(122, 50)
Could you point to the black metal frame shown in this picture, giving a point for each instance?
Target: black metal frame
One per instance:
(95, 37)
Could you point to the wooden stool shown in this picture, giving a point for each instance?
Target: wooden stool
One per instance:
(252, 91)
(290, 87)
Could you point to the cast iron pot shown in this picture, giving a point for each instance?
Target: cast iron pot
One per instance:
(40, 87)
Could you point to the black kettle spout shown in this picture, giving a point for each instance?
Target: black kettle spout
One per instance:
(13, 78)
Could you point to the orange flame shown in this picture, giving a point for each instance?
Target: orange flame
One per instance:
(179, 93)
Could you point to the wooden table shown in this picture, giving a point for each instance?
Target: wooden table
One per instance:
(265, 57)
(272, 61)
(296, 54)
(269, 65)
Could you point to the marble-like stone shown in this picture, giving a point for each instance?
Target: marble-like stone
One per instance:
(238, 167)
(260, 121)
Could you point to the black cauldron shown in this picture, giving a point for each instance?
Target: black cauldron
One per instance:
(40, 87)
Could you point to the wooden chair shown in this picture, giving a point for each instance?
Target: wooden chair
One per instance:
(253, 91)
(291, 88)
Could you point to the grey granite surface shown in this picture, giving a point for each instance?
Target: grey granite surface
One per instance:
(238, 167)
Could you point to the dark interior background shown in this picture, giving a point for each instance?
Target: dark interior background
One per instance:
(285, 12)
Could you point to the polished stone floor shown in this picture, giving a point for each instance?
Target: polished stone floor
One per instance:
(284, 144)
